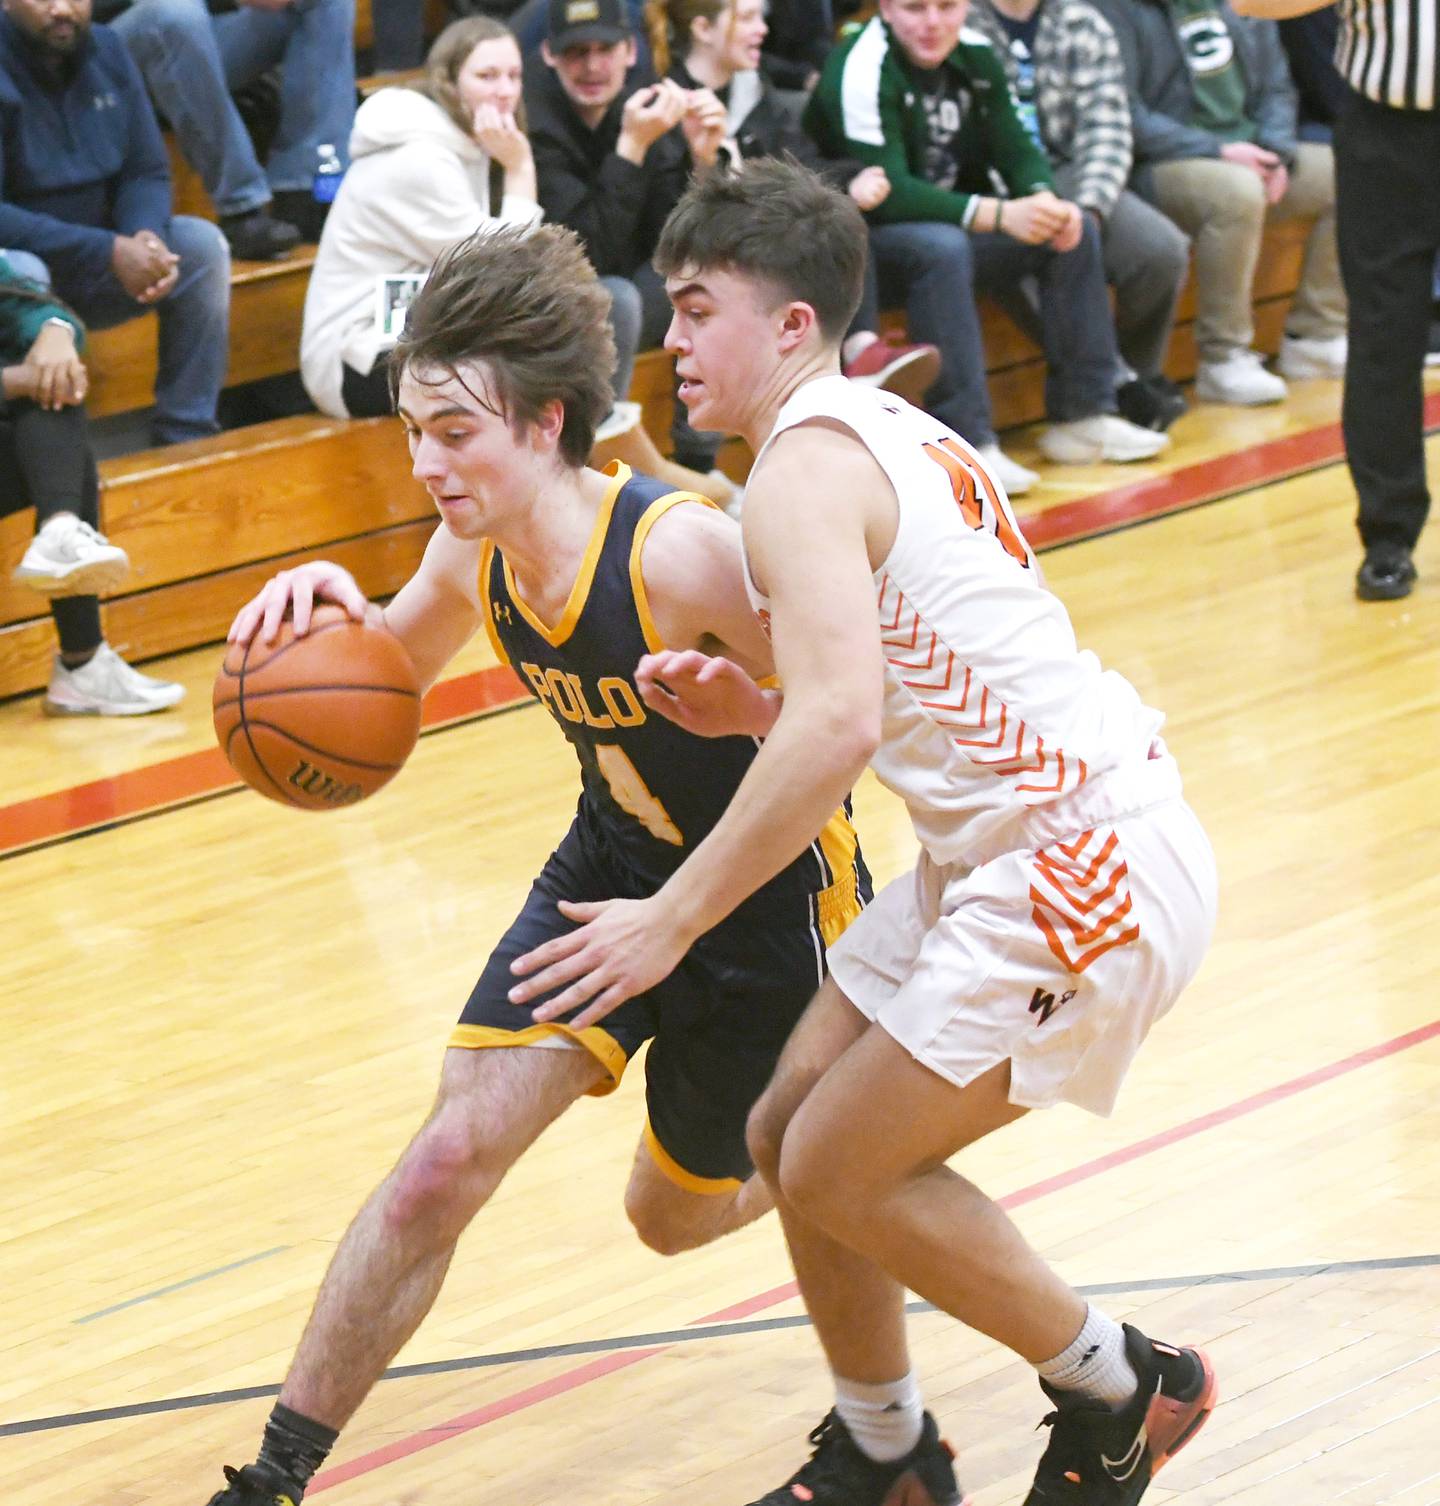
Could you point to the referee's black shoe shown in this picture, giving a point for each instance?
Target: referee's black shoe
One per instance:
(1387, 574)
(255, 1486)
(838, 1473)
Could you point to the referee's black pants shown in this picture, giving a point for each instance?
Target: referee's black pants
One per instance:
(1387, 167)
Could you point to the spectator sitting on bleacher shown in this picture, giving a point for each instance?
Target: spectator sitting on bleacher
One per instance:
(914, 93)
(192, 56)
(85, 189)
(715, 45)
(1214, 115)
(1064, 64)
(46, 463)
(430, 165)
(613, 155)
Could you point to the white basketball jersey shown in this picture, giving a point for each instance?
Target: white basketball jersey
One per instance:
(991, 710)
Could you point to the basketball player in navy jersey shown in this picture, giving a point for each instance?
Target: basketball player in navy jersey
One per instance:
(574, 574)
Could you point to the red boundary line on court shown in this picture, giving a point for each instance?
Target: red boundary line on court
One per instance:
(191, 776)
(582, 1375)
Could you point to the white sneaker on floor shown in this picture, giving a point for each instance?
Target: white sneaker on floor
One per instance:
(69, 558)
(1241, 379)
(1013, 476)
(1102, 436)
(107, 686)
(1303, 360)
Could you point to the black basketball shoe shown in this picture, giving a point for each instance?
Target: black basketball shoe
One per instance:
(840, 1474)
(1098, 1457)
(255, 1486)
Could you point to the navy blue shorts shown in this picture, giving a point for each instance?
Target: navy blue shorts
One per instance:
(716, 1024)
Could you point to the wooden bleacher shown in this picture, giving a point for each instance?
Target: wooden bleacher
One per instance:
(206, 523)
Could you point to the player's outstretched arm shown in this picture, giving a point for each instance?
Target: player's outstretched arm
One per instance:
(293, 593)
(815, 524)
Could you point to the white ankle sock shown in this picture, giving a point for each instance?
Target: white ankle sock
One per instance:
(1095, 1365)
(884, 1420)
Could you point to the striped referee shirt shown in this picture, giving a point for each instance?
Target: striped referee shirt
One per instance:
(1389, 51)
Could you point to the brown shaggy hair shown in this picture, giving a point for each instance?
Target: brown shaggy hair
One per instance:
(527, 306)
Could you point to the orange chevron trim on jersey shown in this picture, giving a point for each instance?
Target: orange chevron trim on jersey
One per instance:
(991, 736)
(1084, 907)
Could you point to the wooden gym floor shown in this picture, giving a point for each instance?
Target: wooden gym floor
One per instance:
(222, 1019)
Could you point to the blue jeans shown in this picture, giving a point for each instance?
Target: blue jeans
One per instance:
(937, 270)
(191, 61)
(194, 326)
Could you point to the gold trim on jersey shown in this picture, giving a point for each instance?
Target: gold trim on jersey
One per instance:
(648, 519)
(838, 905)
(705, 1186)
(487, 609)
(599, 1043)
(619, 473)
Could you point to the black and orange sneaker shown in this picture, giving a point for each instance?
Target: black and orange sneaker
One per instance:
(838, 1473)
(255, 1486)
(1099, 1457)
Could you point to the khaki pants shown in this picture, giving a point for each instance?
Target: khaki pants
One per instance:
(1221, 206)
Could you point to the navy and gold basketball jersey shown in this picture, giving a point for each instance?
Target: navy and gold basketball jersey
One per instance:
(651, 791)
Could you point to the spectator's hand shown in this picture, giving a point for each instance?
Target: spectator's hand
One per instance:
(502, 139)
(1277, 180)
(1069, 235)
(869, 187)
(1256, 158)
(296, 592)
(57, 374)
(1036, 218)
(647, 115)
(703, 125)
(146, 268)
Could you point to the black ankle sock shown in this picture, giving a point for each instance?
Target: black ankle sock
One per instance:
(294, 1447)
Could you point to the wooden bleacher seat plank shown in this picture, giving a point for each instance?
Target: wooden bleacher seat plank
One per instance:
(266, 302)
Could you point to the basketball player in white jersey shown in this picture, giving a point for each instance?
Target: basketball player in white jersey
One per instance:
(1063, 898)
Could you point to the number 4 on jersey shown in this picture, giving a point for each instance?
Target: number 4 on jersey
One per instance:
(633, 796)
(964, 482)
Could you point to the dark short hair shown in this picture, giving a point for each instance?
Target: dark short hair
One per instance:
(779, 223)
(529, 307)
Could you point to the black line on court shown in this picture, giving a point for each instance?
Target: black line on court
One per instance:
(685, 1336)
(524, 698)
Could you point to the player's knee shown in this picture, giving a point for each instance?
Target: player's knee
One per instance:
(443, 1178)
(807, 1182)
(764, 1135)
(659, 1227)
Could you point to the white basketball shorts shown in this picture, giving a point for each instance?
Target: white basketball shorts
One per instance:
(1058, 957)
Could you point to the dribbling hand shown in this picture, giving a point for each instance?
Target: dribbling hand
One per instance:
(296, 592)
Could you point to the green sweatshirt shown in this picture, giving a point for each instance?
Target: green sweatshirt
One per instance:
(870, 104)
(24, 308)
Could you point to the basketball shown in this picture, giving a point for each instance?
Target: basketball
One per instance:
(318, 721)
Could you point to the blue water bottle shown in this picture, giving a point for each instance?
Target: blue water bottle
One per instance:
(328, 172)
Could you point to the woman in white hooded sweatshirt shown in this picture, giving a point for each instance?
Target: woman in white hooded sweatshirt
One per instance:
(429, 165)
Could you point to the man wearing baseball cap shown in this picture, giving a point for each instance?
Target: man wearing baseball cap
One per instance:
(613, 151)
